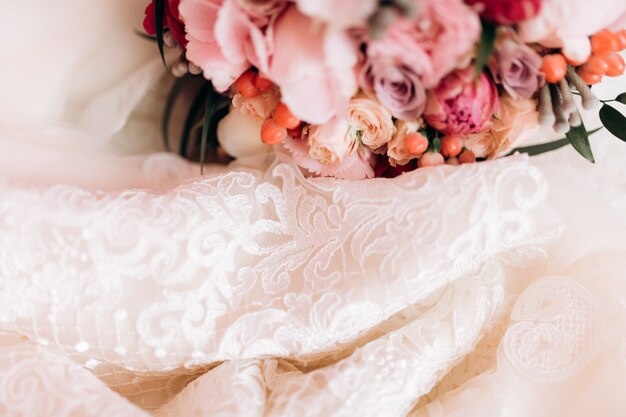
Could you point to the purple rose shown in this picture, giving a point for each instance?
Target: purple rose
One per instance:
(398, 88)
(516, 66)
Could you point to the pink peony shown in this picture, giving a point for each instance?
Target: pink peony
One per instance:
(514, 122)
(440, 39)
(314, 67)
(223, 40)
(567, 24)
(507, 12)
(462, 104)
(339, 13)
(172, 21)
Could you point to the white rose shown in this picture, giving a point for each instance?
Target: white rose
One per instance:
(240, 136)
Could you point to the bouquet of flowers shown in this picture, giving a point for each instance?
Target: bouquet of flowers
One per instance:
(363, 88)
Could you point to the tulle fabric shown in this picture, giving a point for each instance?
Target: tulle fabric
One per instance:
(131, 285)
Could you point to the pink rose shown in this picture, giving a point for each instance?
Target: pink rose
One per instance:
(340, 13)
(568, 24)
(462, 104)
(397, 87)
(223, 40)
(508, 12)
(314, 67)
(440, 39)
(515, 66)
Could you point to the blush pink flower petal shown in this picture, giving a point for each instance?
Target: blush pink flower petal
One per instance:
(313, 66)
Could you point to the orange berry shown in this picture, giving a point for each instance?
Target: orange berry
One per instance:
(589, 79)
(271, 133)
(262, 83)
(604, 42)
(597, 64)
(615, 64)
(451, 146)
(415, 144)
(621, 37)
(467, 157)
(555, 67)
(284, 118)
(245, 85)
(430, 159)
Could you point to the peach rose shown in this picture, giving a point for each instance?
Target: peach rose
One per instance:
(331, 142)
(515, 122)
(370, 121)
(396, 151)
(258, 108)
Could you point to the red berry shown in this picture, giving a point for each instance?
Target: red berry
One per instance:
(596, 65)
(555, 68)
(430, 159)
(271, 133)
(615, 64)
(262, 83)
(604, 42)
(451, 146)
(588, 78)
(415, 144)
(284, 118)
(245, 85)
(467, 157)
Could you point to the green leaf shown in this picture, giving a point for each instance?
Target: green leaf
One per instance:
(159, 13)
(547, 147)
(436, 145)
(614, 121)
(621, 98)
(579, 138)
(485, 47)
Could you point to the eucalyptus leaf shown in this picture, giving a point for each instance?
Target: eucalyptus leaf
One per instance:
(542, 148)
(579, 138)
(159, 15)
(614, 121)
(621, 98)
(485, 47)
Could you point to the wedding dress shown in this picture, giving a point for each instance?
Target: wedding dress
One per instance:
(131, 285)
